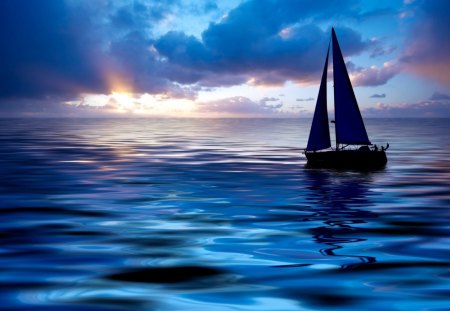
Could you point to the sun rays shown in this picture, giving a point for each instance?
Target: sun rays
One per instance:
(137, 104)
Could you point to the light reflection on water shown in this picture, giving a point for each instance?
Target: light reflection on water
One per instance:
(192, 214)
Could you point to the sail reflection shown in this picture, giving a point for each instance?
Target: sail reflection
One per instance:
(342, 202)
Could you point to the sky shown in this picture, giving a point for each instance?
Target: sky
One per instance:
(227, 58)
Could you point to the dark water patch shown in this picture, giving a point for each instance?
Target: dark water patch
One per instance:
(166, 274)
(140, 182)
(72, 306)
(86, 233)
(394, 265)
(155, 242)
(139, 200)
(54, 226)
(17, 285)
(413, 224)
(406, 231)
(325, 300)
(201, 232)
(409, 283)
(435, 293)
(407, 228)
(13, 250)
(58, 211)
(295, 265)
(111, 303)
(20, 235)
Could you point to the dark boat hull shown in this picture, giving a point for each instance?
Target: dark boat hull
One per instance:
(348, 159)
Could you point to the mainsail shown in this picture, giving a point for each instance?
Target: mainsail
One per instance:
(319, 136)
(350, 127)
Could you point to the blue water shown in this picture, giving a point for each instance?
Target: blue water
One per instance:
(128, 214)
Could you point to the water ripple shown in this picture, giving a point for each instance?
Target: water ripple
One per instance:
(218, 215)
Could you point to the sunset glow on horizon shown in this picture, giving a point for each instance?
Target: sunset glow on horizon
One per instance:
(141, 104)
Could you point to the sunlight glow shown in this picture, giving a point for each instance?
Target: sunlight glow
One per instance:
(144, 104)
(117, 83)
(125, 102)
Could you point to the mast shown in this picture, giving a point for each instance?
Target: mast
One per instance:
(319, 136)
(349, 124)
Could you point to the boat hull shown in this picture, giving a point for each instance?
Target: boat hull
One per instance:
(348, 159)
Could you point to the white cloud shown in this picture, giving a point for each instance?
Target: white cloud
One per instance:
(439, 107)
(240, 106)
(374, 75)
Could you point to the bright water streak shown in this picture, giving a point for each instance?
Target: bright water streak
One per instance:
(200, 214)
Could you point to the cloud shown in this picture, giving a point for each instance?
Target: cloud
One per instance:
(63, 48)
(376, 13)
(305, 99)
(266, 42)
(40, 53)
(427, 48)
(378, 96)
(374, 76)
(240, 106)
(138, 15)
(435, 108)
(439, 96)
(380, 50)
(271, 102)
(48, 108)
(269, 59)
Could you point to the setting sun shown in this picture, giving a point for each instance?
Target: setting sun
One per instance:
(124, 102)
(144, 104)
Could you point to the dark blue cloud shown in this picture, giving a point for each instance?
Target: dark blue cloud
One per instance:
(209, 6)
(40, 54)
(140, 14)
(427, 48)
(269, 42)
(60, 48)
(185, 50)
(378, 96)
(381, 50)
(440, 96)
(131, 60)
(254, 25)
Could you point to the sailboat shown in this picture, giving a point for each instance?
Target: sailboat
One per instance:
(353, 147)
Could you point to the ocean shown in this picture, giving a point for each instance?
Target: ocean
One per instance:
(219, 214)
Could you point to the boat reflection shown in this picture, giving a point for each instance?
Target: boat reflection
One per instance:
(342, 202)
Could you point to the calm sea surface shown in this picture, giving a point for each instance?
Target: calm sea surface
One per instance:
(126, 214)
